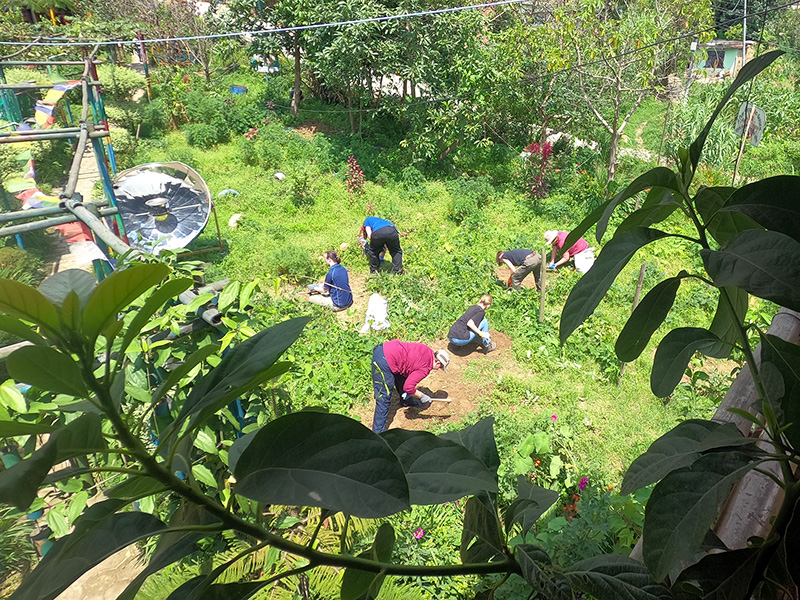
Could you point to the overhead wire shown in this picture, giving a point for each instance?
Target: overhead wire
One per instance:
(274, 30)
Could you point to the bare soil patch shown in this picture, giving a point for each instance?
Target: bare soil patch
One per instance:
(455, 385)
(310, 128)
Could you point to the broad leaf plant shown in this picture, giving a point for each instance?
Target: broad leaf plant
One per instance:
(82, 343)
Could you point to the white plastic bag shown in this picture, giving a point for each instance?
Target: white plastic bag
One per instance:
(377, 314)
(584, 260)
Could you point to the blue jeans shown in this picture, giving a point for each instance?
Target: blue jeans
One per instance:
(484, 326)
(383, 380)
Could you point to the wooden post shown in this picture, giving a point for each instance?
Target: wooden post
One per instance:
(542, 285)
(636, 295)
(747, 124)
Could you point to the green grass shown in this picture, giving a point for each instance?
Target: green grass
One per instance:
(449, 266)
(650, 118)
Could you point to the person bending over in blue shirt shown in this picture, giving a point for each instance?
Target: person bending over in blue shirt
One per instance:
(334, 292)
(380, 233)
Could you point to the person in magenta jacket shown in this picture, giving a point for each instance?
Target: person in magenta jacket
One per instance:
(402, 365)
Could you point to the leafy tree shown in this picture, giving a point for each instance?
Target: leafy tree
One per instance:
(748, 240)
(618, 53)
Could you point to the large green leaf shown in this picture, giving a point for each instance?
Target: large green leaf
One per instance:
(721, 226)
(658, 177)
(781, 573)
(591, 288)
(479, 440)
(21, 330)
(646, 318)
(785, 356)
(764, 263)
(728, 320)
(673, 355)
(154, 302)
(179, 372)
(172, 546)
(610, 577)
(746, 73)
(677, 448)
(531, 503)
(685, 504)
(19, 483)
(770, 202)
(135, 487)
(538, 571)
(358, 584)
(82, 436)
(217, 591)
(481, 539)
(657, 207)
(438, 470)
(73, 555)
(723, 576)
(15, 428)
(57, 287)
(240, 367)
(25, 302)
(118, 291)
(47, 369)
(587, 223)
(320, 459)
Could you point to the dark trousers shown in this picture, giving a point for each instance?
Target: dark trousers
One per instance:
(385, 236)
(383, 380)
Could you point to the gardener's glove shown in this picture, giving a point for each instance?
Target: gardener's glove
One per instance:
(551, 267)
(425, 399)
(509, 283)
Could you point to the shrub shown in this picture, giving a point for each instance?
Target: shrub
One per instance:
(469, 196)
(119, 83)
(155, 120)
(128, 115)
(412, 180)
(20, 265)
(292, 262)
(124, 148)
(202, 135)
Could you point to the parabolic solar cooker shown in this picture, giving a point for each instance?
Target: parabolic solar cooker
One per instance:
(163, 206)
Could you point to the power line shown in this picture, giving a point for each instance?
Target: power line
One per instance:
(383, 19)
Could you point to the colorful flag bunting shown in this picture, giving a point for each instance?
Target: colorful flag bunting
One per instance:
(44, 114)
(58, 90)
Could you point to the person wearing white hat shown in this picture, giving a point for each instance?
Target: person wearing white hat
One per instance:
(556, 239)
(402, 365)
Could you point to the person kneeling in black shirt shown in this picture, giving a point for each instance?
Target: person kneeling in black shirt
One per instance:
(465, 329)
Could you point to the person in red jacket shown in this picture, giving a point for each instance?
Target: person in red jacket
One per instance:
(402, 365)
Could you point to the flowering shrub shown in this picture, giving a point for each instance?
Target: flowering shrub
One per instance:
(355, 177)
(532, 173)
(251, 133)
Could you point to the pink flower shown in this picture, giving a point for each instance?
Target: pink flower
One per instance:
(583, 483)
(418, 533)
(554, 418)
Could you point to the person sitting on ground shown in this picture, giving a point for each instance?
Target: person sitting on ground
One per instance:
(382, 233)
(334, 292)
(465, 330)
(521, 262)
(557, 239)
(402, 365)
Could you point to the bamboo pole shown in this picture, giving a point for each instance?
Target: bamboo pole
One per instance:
(542, 284)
